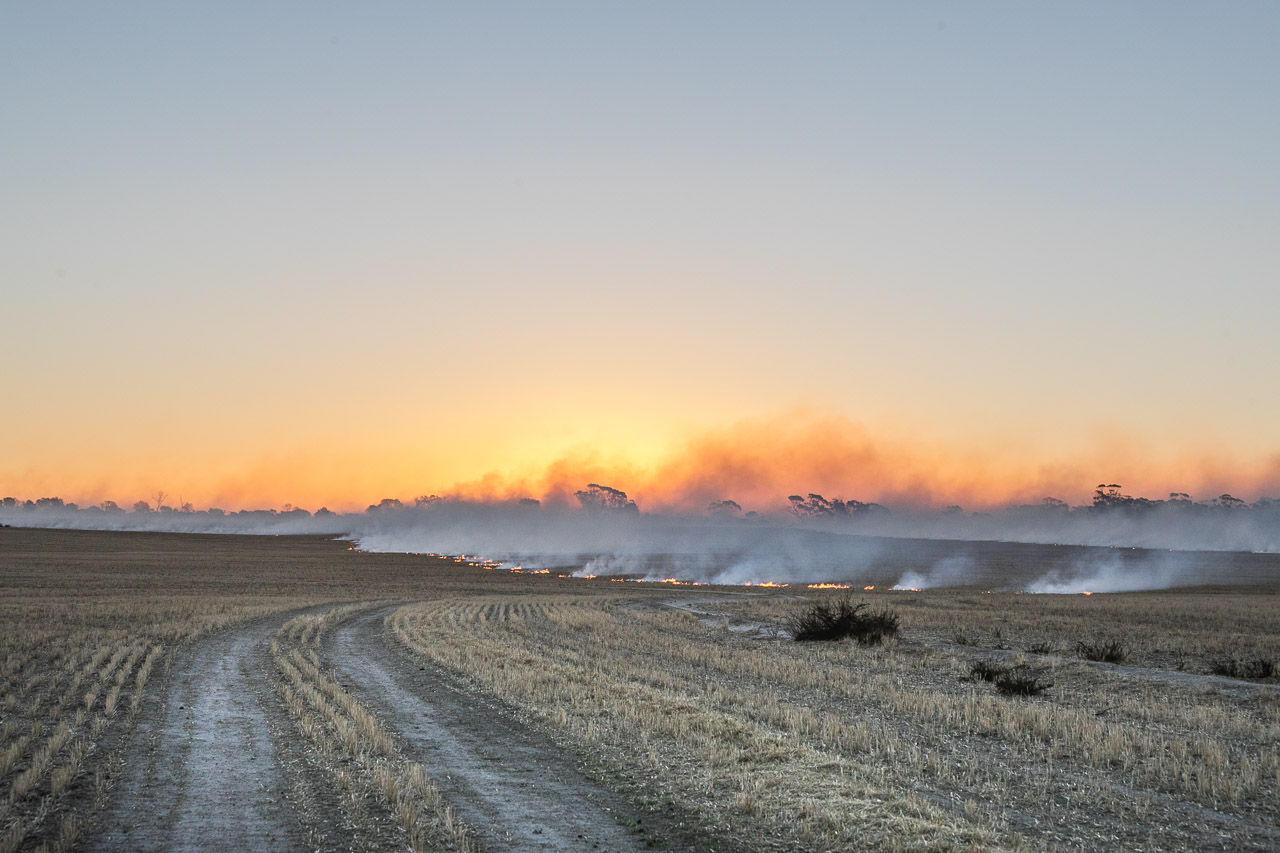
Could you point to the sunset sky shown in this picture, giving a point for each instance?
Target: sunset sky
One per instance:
(325, 253)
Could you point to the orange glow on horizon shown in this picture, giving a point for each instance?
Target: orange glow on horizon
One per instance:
(756, 462)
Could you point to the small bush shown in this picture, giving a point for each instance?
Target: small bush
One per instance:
(962, 639)
(1042, 649)
(1108, 651)
(840, 619)
(1020, 681)
(984, 671)
(1257, 668)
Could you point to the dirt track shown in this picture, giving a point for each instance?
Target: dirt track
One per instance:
(517, 789)
(205, 769)
(201, 772)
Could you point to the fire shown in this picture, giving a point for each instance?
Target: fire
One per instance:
(766, 583)
(588, 577)
(828, 586)
(869, 588)
(1086, 592)
(536, 571)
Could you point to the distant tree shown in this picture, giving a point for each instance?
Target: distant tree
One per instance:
(954, 510)
(1053, 503)
(817, 507)
(161, 497)
(49, 503)
(215, 512)
(426, 501)
(1228, 502)
(9, 503)
(724, 508)
(1179, 498)
(385, 504)
(324, 512)
(142, 506)
(111, 506)
(814, 506)
(529, 503)
(596, 497)
(1109, 496)
(186, 506)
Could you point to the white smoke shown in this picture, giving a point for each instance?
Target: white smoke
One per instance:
(909, 550)
(1112, 573)
(949, 571)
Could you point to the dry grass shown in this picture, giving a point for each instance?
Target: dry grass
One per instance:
(84, 620)
(88, 618)
(842, 746)
(791, 745)
(350, 742)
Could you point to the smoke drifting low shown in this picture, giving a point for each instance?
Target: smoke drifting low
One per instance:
(1045, 549)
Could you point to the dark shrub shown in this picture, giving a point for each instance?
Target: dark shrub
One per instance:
(1042, 649)
(1020, 681)
(984, 671)
(1257, 668)
(1109, 651)
(839, 619)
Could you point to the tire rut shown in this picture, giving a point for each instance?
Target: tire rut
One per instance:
(201, 772)
(515, 788)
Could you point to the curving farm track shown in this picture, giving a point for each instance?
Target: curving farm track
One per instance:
(214, 763)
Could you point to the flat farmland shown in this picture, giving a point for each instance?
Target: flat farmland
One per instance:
(171, 691)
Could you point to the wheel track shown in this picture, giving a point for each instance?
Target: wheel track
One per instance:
(516, 789)
(201, 771)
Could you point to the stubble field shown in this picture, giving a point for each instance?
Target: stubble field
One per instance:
(164, 691)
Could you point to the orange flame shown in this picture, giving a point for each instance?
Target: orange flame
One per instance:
(828, 586)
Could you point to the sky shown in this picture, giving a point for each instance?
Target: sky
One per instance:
(931, 253)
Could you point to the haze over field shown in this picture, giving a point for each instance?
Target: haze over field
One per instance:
(1117, 543)
(918, 256)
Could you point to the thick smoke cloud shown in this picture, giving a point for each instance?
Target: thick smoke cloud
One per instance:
(1048, 548)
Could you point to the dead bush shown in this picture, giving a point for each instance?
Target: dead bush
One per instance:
(840, 619)
(1257, 669)
(986, 671)
(1107, 651)
(1020, 681)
